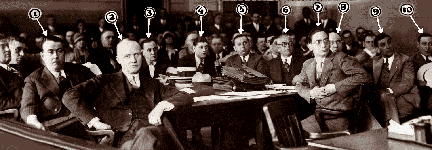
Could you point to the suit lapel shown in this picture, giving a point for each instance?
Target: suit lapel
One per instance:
(251, 60)
(395, 65)
(50, 82)
(118, 85)
(310, 72)
(276, 69)
(148, 90)
(237, 61)
(377, 66)
(326, 72)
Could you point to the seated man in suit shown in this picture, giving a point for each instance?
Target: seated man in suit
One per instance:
(328, 24)
(245, 57)
(335, 42)
(364, 56)
(127, 101)
(424, 56)
(200, 59)
(396, 97)
(41, 105)
(153, 64)
(104, 56)
(10, 83)
(328, 81)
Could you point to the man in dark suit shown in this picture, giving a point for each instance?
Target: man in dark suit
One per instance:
(421, 58)
(328, 24)
(97, 32)
(10, 82)
(217, 27)
(104, 56)
(245, 57)
(255, 29)
(350, 47)
(396, 96)
(53, 29)
(127, 101)
(364, 56)
(200, 59)
(270, 28)
(328, 81)
(41, 105)
(135, 28)
(218, 53)
(153, 64)
(305, 25)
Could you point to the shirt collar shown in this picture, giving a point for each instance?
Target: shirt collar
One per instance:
(56, 74)
(149, 62)
(425, 57)
(368, 52)
(198, 60)
(286, 58)
(130, 76)
(320, 60)
(246, 58)
(5, 66)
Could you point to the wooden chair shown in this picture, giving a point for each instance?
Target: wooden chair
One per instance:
(285, 128)
(355, 115)
(13, 111)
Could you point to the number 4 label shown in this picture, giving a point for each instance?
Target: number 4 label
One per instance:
(201, 10)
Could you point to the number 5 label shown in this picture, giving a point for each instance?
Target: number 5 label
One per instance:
(242, 9)
(375, 11)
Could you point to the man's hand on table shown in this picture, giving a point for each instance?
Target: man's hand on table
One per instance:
(34, 122)
(95, 122)
(156, 114)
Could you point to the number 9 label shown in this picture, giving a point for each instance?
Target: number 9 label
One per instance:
(343, 7)
(242, 9)
(149, 12)
(375, 11)
(285, 10)
(201, 10)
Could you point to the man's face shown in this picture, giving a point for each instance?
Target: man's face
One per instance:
(256, 18)
(53, 55)
(129, 57)
(17, 51)
(81, 26)
(324, 14)
(267, 20)
(425, 45)
(360, 33)
(261, 44)
(385, 47)
(218, 19)
(306, 13)
(369, 42)
(5, 54)
(303, 42)
(320, 44)
(69, 35)
(241, 46)
(189, 41)
(347, 38)
(285, 46)
(108, 39)
(216, 45)
(201, 49)
(150, 51)
(335, 42)
(251, 41)
(80, 44)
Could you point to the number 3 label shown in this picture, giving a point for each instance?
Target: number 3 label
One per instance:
(201, 10)
(242, 9)
(149, 12)
(285, 10)
(375, 11)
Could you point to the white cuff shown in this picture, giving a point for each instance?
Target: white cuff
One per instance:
(166, 105)
(90, 124)
(332, 87)
(31, 118)
(391, 91)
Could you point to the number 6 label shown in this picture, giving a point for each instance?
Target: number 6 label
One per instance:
(242, 9)
(375, 11)
(201, 10)
(150, 12)
(285, 10)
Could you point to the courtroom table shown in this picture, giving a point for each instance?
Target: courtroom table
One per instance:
(216, 113)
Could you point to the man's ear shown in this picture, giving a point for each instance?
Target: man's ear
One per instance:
(309, 46)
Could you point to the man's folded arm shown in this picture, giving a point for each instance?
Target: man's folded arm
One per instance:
(300, 82)
(407, 82)
(30, 98)
(356, 76)
(80, 100)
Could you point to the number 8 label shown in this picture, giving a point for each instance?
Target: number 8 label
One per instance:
(242, 9)
(149, 12)
(201, 10)
(286, 10)
(375, 11)
(343, 7)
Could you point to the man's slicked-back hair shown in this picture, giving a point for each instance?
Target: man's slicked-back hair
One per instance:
(239, 36)
(147, 40)
(369, 35)
(200, 39)
(380, 37)
(107, 30)
(192, 32)
(423, 35)
(345, 32)
(313, 32)
(51, 38)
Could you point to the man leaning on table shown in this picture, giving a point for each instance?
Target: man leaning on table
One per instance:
(127, 101)
(328, 81)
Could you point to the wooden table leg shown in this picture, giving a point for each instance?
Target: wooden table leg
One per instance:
(215, 134)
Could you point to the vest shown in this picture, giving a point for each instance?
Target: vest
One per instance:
(384, 79)
(287, 76)
(140, 105)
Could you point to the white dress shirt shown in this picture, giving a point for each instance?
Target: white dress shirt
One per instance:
(286, 59)
(348, 47)
(198, 61)
(51, 28)
(369, 52)
(324, 22)
(100, 29)
(151, 68)
(319, 66)
(58, 74)
(245, 58)
(390, 61)
(307, 21)
(428, 57)
(134, 80)
(256, 25)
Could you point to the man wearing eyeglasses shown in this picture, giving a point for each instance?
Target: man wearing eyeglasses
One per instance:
(328, 81)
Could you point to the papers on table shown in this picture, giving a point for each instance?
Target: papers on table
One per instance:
(188, 90)
(395, 127)
(238, 95)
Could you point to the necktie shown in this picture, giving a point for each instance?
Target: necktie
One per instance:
(243, 60)
(200, 67)
(286, 65)
(386, 64)
(319, 69)
(134, 82)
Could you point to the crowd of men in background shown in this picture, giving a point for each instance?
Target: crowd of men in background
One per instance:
(263, 47)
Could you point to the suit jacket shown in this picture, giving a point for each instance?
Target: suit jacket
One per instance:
(302, 53)
(355, 48)
(339, 69)
(174, 60)
(190, 61)
(105, 97)
(402, 77)
(330, 26)
(254, 33)
(29, 64)
(213, 30)
(160, 68)
(102, 58)
(10, 89)
(301, 28)
(41, 95)
(277, 66)
(418, 61)
(255, 62)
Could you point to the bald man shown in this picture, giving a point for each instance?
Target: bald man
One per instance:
(127, 101)
(335, 42)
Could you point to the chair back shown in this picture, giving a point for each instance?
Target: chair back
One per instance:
(282, 120)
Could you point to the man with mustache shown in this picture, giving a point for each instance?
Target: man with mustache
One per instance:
(41, 105)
